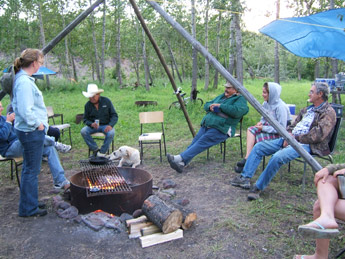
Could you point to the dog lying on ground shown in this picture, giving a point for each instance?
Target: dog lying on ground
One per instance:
(128, 156)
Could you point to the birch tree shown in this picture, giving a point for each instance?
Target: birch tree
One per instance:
(207, 65)
(193, 93)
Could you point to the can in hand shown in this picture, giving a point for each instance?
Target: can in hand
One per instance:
(97, 122)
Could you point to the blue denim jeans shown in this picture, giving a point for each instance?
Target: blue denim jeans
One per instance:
(49, 150)
(204, 139)
(86, 133)
(32, 143)
(280, 156)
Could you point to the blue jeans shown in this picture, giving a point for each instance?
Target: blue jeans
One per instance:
(32, 143)
(86, 133)
(204, 139)
(280, 157)
(49, 150)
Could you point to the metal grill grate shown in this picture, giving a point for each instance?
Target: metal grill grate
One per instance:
(86, 165)
(104, 180)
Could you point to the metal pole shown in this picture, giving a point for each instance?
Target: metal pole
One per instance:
(70, 27)
(250, 98)
(161, 58)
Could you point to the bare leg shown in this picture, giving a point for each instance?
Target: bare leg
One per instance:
(250, 143)
(331, 207)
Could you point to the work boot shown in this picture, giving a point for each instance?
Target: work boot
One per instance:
(254, 193)
(241, 163)
(240, 181)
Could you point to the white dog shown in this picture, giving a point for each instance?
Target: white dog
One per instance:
(127, 154)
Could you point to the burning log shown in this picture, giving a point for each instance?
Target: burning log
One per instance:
(167, 218)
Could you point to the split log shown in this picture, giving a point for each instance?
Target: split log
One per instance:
(135, 229)
(188, 216)
(167, 218)
(149, 230)
(140, 219)
(159, 238)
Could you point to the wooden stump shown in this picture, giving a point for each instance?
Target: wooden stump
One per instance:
(79, 118)
(167, 218)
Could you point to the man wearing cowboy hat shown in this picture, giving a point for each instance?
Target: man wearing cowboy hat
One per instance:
(99, 116)
(222, 115)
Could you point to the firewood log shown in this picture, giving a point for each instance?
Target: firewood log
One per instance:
(188, 216)
(167, 218)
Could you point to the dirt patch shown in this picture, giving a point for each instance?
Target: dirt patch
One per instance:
(227, 227)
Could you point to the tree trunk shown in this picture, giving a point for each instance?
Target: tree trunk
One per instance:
(103, 43)
(95, 46)
(334, 62)
(193, 92)
(118, 45)
(299, 69)
(232, 46)
(276, 49)
(165, 217)
(317, 68)
(239, 60)
(219, 25)
(146, 67)
(74, 69)
(43, 41)
(207, 65)
(326, 67)
(250, 70)
(137, 61)
(173, 61)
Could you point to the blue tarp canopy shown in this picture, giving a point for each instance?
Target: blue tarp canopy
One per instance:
(40, 73)
(317, 35)
(43, 71)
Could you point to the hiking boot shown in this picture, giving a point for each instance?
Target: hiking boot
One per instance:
(240, 181)
(238, 169)
(62, 147)
(254, 193)
(241, 163)
(178, 167)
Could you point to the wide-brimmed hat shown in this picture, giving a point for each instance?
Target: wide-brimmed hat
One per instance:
(92, 90)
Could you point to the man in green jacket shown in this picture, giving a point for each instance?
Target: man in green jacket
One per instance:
(222, 116)
(99, 116)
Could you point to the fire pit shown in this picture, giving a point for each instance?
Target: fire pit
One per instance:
(112, 189)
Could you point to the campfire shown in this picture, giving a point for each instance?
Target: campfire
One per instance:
(104, 182)
(109, 188)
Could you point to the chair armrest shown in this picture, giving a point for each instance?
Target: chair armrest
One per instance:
(56, 115)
